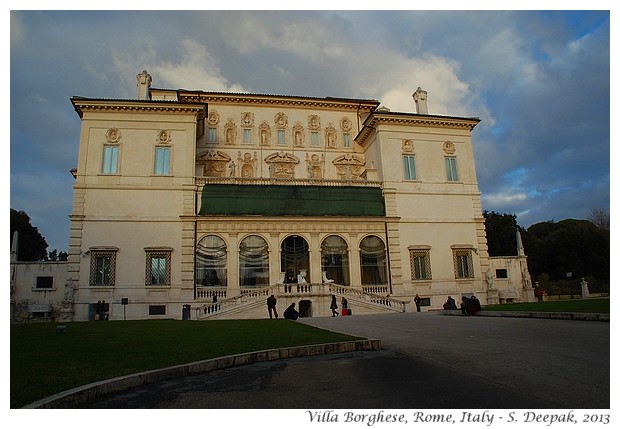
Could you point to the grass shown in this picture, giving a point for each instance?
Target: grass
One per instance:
(594, 305)
(44, 362)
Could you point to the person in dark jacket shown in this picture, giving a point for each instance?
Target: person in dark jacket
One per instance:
(334, 306)
(465, 306)
(271, 306)
(290, 313)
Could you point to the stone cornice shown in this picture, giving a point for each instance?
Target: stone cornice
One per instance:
(82, 105)
(412, 119)
(279, 100)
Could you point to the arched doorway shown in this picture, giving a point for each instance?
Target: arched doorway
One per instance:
(373, 261)
(211, 262)
(305, 308)
(253, 262)
(335, 259)
(295, 259)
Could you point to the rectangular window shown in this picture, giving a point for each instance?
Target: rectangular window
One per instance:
(247, 136)
(314, 138)
(409, 164)
(281, 137)
(110, 159)
(102, 268)
(420, 264)
(162, 161)
(157, 310)
(463, 268)
(501, 273)
(157, 267)
(212, 135)
(451, 172)
(346, 140)
(45, 282)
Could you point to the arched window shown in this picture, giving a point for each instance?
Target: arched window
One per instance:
(335, 260)
(253, 262)
(295, 259)
(373, 261)
(211, 262)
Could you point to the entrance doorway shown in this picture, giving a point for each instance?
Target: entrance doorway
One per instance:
(295, 259)
(305, 308)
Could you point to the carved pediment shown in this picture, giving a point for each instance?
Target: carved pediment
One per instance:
(349, 166)
(282, 165)
(214, 163)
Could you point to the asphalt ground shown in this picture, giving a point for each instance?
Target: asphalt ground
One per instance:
(427, 361)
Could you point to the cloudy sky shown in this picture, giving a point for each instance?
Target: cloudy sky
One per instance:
(539, 81)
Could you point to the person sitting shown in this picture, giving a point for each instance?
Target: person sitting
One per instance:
(450, 304)
(290, 313)
(465, 306)
(475, 305)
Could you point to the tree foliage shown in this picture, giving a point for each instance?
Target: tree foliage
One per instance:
(578, 247)
(31, 245)
(501, 233)
(570, 246)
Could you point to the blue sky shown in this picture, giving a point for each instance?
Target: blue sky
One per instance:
(539, 81)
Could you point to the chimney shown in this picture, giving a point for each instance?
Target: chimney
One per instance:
(144, 84)
(420, 101)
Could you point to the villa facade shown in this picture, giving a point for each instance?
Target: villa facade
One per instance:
(196, 204)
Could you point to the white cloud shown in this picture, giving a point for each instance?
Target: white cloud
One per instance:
(504, 199)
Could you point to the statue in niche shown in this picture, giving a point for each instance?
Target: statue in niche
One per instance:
(248, 164)
(232, 168)
(298, 132)
(264, 133)
(230, 131)
(314, 165)
(330, 134)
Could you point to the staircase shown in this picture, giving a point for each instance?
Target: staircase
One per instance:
(251, 303)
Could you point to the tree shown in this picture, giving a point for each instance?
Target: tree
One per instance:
(501, 233)
(569, 246)
(31, 245)
(600, 218)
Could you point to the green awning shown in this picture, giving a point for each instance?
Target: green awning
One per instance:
(276, 200)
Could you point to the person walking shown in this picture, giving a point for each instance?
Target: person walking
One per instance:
(334, 306)
(417, 302)
(271, 306)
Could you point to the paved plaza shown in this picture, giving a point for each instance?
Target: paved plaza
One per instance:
(427, 361)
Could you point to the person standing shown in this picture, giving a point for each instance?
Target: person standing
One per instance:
(417, 302)
(271, 306)
(334, 306)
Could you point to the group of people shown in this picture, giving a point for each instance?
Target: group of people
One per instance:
(470, 306)
(292, 314)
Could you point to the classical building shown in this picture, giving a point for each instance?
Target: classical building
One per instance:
(195, 204)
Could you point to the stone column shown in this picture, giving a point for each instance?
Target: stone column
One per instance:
(233, 288)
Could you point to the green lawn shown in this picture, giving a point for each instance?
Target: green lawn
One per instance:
(44, 362)
(594, 305)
